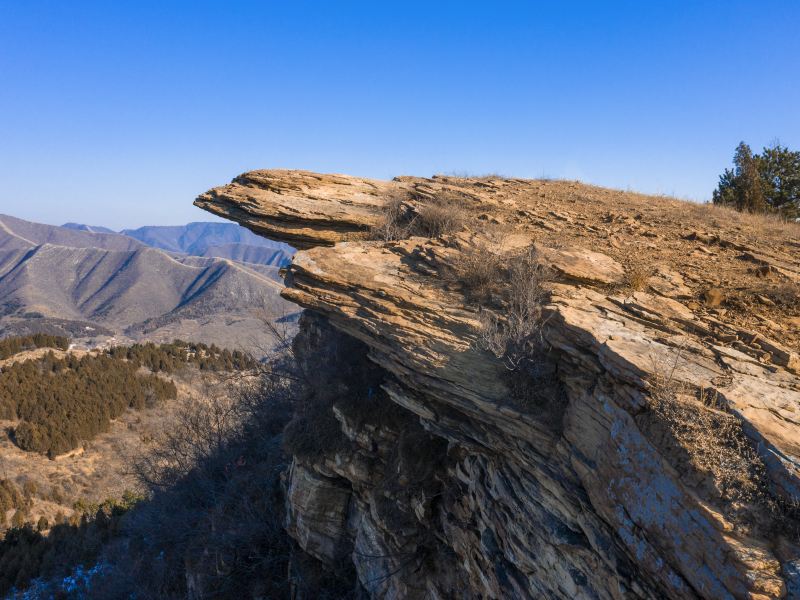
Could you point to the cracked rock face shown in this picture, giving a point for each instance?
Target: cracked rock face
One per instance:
(659, 454)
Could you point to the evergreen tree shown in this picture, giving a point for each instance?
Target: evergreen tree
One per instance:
(766, 182)
(780, 169)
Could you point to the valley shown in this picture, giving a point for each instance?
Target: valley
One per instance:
(211, 283)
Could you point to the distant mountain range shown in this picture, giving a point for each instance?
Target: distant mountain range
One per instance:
(199, 282)
(16, 233)
(90, 229)
(221, 240)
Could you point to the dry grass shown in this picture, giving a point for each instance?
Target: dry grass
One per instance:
(444, 214)
(99, 469)
(478, 272)
(637, 276)
(785, 295)
(755, 226)
(783, 298)
(474, 176)
(705, 442)
(395, 223)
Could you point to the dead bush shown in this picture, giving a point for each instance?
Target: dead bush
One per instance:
(511, 329)
(636, 276)
(479, 272)
(214, 512)
(202, 427)
(783, 296)
(714, 442)
(481, 269)
(707, 443)
(440, 217)
(786, 295)
(442, 214)
(513, 333)
(473, 175)
(395, 220)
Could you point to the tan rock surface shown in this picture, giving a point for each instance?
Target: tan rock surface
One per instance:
(304, 208)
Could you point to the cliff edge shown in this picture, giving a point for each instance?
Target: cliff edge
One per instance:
(532, 389)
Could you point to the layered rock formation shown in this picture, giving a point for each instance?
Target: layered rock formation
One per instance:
(654, 451)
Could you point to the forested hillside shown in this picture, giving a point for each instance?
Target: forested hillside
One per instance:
(61, 402)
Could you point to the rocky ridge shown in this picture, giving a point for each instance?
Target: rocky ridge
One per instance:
(596, 488)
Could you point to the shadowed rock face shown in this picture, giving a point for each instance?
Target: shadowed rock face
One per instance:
(592, 491)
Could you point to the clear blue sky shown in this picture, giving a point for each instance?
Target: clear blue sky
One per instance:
(119, 113)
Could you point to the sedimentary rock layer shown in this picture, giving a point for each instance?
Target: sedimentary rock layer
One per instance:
(592, 487)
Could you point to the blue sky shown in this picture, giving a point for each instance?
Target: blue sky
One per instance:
(120, 113)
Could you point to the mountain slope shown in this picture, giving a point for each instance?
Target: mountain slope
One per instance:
(134, 290)
(220, 240)
(261, 255)
(119, 289)
(198, 238)
(89, 228)
(28, 234)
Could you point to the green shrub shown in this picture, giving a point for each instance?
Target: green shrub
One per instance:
(167, 358)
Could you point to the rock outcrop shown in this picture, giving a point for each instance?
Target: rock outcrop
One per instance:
(305, 209)
(655, 448)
